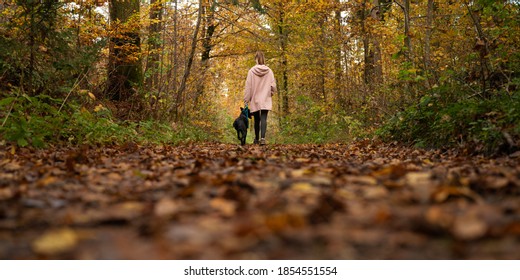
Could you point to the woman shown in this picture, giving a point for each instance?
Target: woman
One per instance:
(260, 87)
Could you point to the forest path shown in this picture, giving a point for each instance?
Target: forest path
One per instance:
(222, 201)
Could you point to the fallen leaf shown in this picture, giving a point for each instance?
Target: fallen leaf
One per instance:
(46, 181)
(393, 171)
(224, 206)
(125, 210)
(443, 193)
(362, 180)
(55, 242)
(437, 217)
(374, 192)
(418, 178)
(166, 207)
(302, 187)
(421, 184)
(12, 166)
(469, 228)
(497, 182)
(6, 193)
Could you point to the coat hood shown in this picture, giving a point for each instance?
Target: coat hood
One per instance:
(260, 70)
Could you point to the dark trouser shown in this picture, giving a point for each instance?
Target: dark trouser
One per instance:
(260, 118)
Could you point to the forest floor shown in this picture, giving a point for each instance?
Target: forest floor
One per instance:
(221, 201)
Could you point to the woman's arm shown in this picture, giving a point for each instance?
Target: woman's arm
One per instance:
(273, 84)
(247, 91)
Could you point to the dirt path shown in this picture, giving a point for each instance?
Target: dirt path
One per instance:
(220, 201)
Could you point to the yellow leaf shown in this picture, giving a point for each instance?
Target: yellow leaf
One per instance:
(302, 186)
(55, 242)
(99, 108)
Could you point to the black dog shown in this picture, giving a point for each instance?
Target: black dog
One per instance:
(241, 124)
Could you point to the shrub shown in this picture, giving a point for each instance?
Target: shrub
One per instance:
(482, 125)
(36, 121)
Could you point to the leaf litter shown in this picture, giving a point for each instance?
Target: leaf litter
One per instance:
(363, 200)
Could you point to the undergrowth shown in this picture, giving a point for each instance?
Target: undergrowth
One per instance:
(318, 123)
(476, 124)
(38, 121)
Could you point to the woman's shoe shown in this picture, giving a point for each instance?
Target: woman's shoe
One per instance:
(255, 141)
(262, 141)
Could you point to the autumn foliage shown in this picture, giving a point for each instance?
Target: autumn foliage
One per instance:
(353, 64)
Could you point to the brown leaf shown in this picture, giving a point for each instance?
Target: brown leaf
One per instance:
(6, 193)
(421, 184)
(362, 180)
(46, 181)
(166, 207)
(495, 182)
(226, 207)
(374, 192)
(392, 171)
(469, 227)
(444, 193)
(125, 211)
(438, 217)
(326, 207)
(12, 166)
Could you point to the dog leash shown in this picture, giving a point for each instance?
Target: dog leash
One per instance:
(246, 109)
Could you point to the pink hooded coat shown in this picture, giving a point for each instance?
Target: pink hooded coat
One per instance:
(260, 87)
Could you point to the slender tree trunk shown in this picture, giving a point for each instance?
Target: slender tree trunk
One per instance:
(366, 57)
(187, 69)
(430, 81)
(482, 46)
(322, 60)
(407, 38)
(78, 23)
(32, 45)
(154, 43)
(338, 72)
(209, 28)
(283, 37)
(174, 61)
(375, 52)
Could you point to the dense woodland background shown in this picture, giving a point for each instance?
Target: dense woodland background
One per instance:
(426, 72)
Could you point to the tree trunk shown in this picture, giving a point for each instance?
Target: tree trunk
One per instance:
(209, 28)
(174, 58)
(187, 69)
(372, 50)
(124, 66)
(430, 80)
(154, 43)
(322, 61)
(482, 46)
(338, 71)
(407, 38)
(283, 37)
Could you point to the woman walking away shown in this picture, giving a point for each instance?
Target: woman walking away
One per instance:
(260, 87)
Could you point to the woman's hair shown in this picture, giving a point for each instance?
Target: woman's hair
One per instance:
(259, 57)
